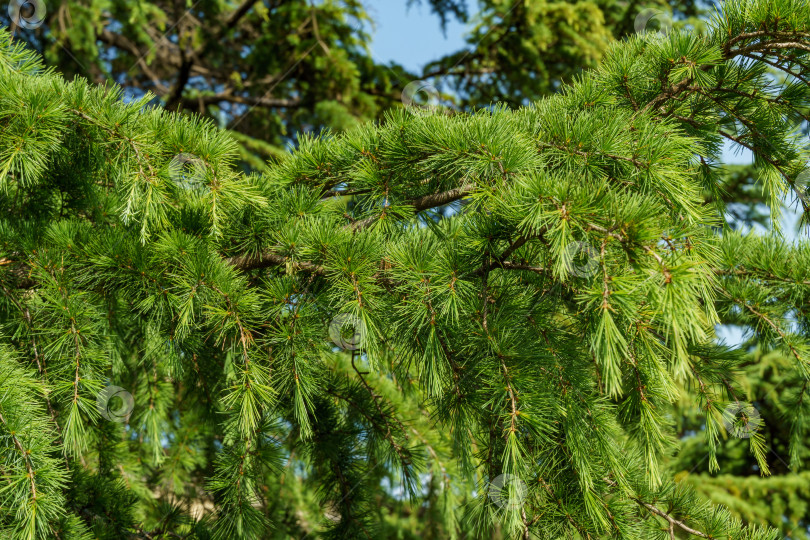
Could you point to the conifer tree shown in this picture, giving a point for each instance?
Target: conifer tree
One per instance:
(324, 350)
(306, 66)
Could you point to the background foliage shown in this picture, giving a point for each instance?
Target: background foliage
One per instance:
(270, 70)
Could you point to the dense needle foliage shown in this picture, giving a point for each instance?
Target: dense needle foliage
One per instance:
(268, 70)
(471, 324)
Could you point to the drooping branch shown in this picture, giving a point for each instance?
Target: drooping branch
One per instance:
(270, 258)
(672, 521)
(227, 96)
(423, 203)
